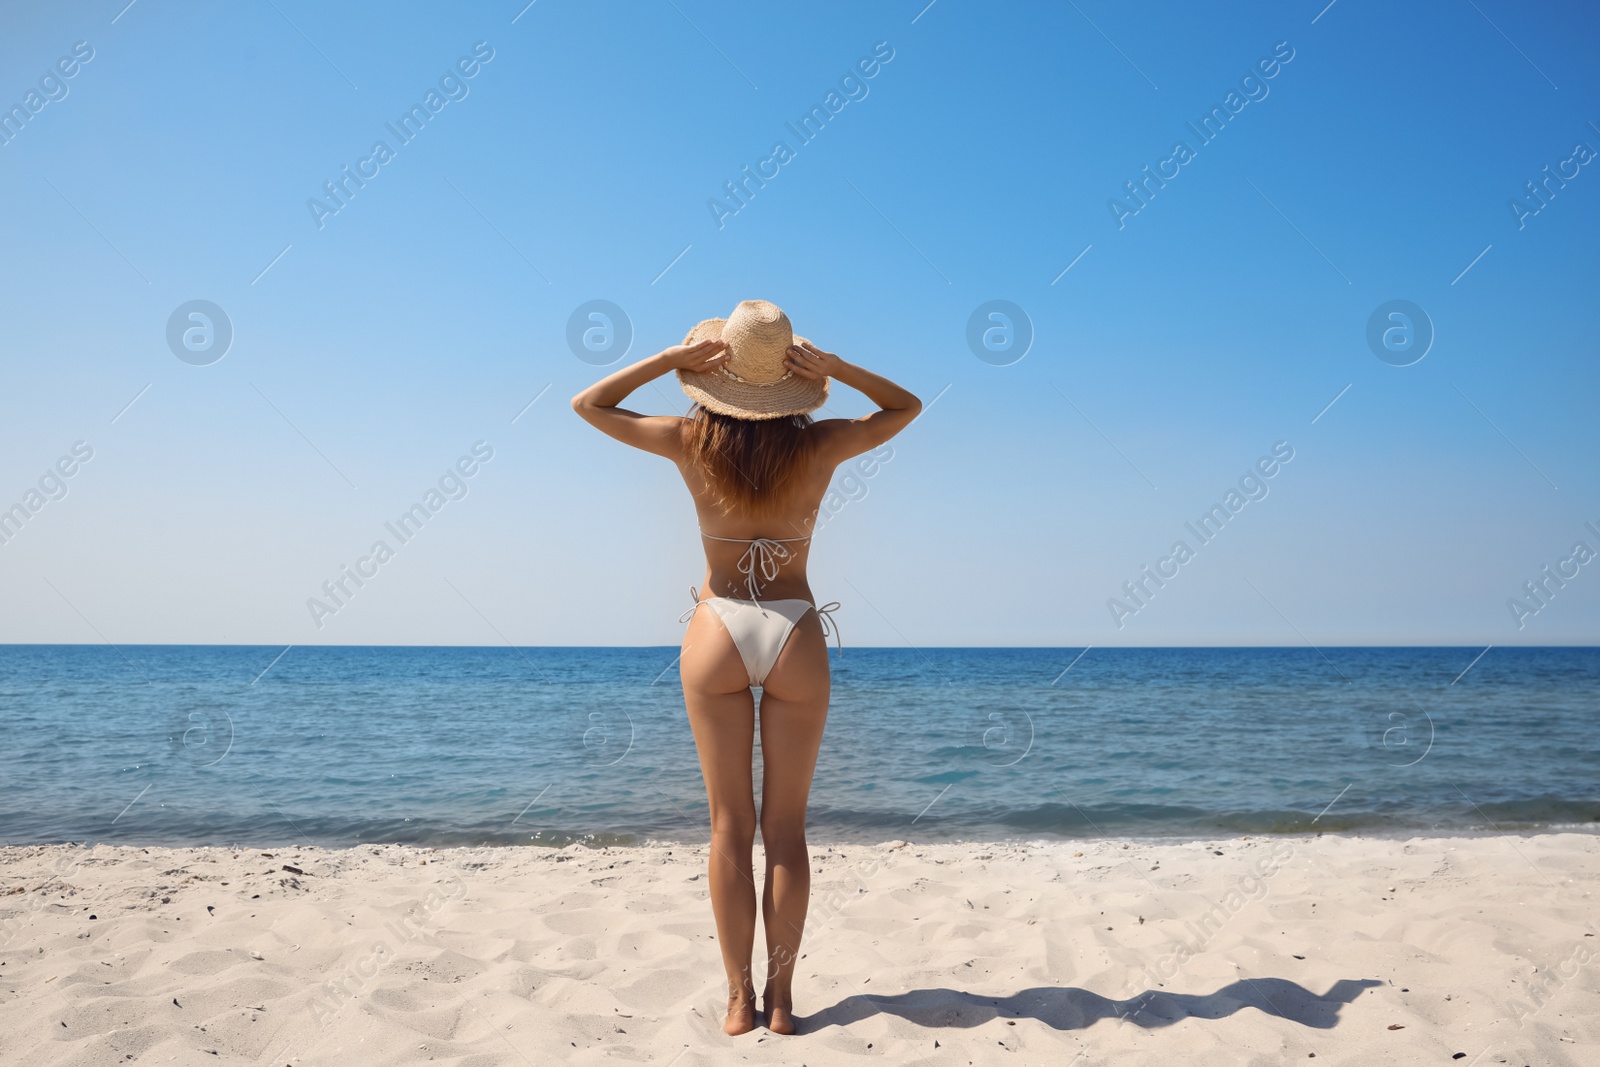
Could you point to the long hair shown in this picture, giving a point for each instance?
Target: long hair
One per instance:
(747, 462)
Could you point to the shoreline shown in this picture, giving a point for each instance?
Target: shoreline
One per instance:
(599, 842)
(1357, 949)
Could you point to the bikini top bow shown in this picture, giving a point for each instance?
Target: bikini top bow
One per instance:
(765, 554)
(763, 557)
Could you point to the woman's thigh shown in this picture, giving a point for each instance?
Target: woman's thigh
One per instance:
(794, 711)
(721, 708)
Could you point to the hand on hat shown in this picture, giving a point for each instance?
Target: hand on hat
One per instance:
(809, 361)
(700, 356)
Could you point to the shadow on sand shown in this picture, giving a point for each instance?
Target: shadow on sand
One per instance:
(1069, 1008)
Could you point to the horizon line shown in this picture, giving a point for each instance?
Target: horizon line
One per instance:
(904, 648)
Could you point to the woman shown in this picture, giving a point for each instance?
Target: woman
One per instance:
(757, 467)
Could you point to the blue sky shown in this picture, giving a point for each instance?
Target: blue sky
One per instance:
(977, 163)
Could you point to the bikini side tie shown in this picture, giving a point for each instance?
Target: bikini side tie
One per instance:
(694, 594)
(830, 628)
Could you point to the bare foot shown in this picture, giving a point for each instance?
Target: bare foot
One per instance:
(741, 1016)
(780, 1012)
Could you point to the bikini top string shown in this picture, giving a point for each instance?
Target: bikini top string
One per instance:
(764, 556)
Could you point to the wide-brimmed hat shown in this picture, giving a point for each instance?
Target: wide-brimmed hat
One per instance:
(752, 383)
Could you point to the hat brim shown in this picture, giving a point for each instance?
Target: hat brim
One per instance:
(724, 394)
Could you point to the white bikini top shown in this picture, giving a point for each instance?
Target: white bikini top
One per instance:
(763, 556)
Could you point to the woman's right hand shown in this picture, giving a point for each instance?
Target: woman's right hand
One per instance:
(809, 361)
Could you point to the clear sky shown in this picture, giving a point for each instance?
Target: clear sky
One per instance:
(970, 153)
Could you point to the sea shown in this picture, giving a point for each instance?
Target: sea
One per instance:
(328, 746)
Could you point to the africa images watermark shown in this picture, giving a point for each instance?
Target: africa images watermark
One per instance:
(452, 485)
(1247, 888)
(1255, 89)
(53, 88)
(452, 87)
(52, 485)
(66, 860)
(1252, 486)
(829, 902)
(1548, 983)
(1537, 197)
(1540, 591)
(358, 976)
(853, 86)
(851, 484)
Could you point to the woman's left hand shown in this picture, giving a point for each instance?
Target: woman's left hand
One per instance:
(700, 356)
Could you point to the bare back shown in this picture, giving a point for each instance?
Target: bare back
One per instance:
(791, 527)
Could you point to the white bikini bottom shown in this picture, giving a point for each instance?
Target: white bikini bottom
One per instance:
(760, 628)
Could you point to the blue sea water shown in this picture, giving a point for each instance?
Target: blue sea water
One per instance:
(338, 746)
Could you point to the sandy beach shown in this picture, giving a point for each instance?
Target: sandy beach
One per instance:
(1472, 950)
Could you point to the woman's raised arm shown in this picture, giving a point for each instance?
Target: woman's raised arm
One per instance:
(653, 433)
(844, 438)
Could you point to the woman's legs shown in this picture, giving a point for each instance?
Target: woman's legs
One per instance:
(716, 691)
(794, 710)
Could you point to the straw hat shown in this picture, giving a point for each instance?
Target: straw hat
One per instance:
(752, 383)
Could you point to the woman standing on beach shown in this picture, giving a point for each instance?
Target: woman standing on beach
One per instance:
(757, 467)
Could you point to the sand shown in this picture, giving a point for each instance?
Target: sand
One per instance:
(1366, 951)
